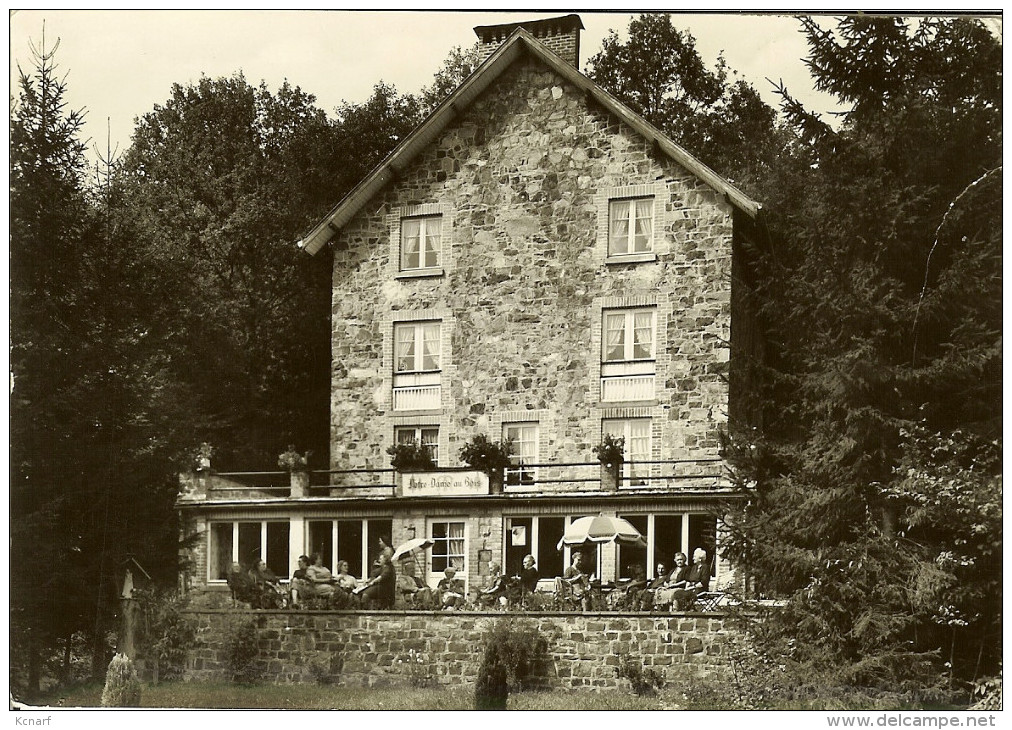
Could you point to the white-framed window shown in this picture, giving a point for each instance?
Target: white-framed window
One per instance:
(667, 534)
(449, 546)
(426, 436)
(628, 352)
(416, 347)
(246, 542)
(525, 452)
(630, 226)
(636, 432)
(417, 360)
(354, 540)
(628, 334)
(421, 242)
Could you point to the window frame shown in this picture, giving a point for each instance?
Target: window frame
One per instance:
(214, 549)
(630, 236)
(418, 436)
(525, 476)
(628, 335)
(418, 345)
(435, 575)
(424, 221)
(633, 475)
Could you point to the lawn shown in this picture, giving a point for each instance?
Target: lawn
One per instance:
(315, 697)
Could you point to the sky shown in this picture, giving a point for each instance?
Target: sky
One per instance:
(119, 64)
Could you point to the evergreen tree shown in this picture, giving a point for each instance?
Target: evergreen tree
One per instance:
(881, 295)
(48, 229)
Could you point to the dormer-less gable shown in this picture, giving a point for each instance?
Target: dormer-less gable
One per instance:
(521, 44)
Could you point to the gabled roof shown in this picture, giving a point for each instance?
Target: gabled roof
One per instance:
(518, 43)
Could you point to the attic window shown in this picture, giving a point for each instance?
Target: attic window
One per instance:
(631, 226)
(421, 243)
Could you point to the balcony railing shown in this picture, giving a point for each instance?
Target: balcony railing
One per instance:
(547, 477)
(417, 398)
(627, 388)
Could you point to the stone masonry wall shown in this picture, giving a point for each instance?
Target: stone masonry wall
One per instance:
(363, 650)
(522, 181)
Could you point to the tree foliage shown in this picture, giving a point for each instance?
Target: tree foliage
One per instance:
(881, 297)
(219, 179)
(660, 75)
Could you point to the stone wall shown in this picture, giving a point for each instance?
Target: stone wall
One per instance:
(522, 183)
(361, 649)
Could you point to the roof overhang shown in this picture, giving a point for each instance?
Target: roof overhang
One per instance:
(519, 43)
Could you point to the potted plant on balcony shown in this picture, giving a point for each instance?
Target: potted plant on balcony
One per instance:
(410, 456)
(297, 465)
(611, 453)
(488, 456)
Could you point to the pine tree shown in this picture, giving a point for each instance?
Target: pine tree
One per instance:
(881, 293)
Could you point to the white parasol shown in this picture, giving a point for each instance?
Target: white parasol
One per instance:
(601, 529)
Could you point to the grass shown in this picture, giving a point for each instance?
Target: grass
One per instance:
(315, 697)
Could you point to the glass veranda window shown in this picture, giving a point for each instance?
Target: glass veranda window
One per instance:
(420, 243)
(631, 226)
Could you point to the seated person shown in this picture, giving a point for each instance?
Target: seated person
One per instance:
(412, 587)
(302, 587)
(265, 583)
(628, 594)
(574, 582)
(241, 585)
(450, 590)
(379, 591)
(647, 596)
(697, 581)
(343, 579)
(677, 579)
(497, 589)
(529, 576)
(319, 575)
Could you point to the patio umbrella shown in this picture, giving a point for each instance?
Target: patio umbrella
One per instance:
(418, 543)
(601, 529)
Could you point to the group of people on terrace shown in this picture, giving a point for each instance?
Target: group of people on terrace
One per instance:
(677, 588)
(313, 585)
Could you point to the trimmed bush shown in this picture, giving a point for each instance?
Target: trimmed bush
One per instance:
(513, 648)
(122, 687)
(242, 652)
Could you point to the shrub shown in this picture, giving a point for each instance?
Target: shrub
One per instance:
(644, 681)
(410, 456)
(169, 634)
(242, 652)
(512, 649)
(485, 455)
(122, 687)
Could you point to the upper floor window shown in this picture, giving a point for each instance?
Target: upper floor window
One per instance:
(628, 334)
(631, 223)
(416, 347)
(420, 242)
(525, 452)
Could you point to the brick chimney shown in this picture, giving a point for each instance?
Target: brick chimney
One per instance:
(561, 35)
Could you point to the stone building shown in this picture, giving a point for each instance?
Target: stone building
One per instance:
(535, 262)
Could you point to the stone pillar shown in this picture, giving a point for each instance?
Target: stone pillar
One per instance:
(300, 484)
(609, 477)
(495, 481)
